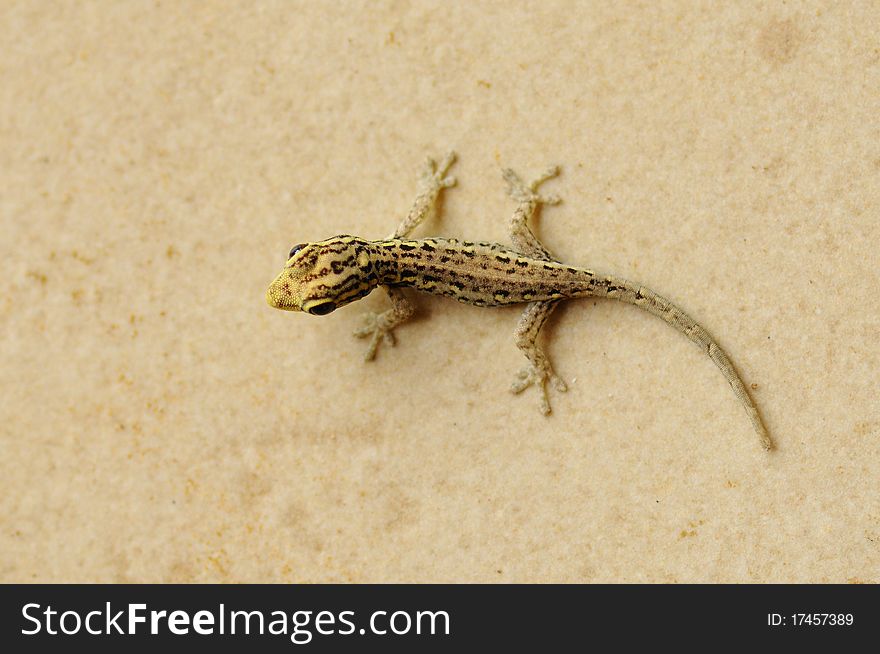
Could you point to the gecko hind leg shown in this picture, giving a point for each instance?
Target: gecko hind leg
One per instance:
(539, 371)
(528, 199)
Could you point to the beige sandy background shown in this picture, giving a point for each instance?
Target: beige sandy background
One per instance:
(160, 423)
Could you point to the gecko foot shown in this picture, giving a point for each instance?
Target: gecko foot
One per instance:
(531, 375)
(522, 192)
(432, 175)
(377, 328)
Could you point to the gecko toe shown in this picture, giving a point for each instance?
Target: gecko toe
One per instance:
(446, 162)
(545, 404)
(370, 354)
(532, 377)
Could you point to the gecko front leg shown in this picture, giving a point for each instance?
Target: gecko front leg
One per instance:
(539, 371)
(432, 180)
(380, 326)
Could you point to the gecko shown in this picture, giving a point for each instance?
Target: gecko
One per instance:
(319, 277)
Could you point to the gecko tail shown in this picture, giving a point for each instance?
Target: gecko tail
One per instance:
(645, 298)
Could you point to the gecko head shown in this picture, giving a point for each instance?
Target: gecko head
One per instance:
(320, 277)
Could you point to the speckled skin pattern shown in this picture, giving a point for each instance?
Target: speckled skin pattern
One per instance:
(323, 276)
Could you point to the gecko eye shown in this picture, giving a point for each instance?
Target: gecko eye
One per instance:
(295, 249)
(322, 309)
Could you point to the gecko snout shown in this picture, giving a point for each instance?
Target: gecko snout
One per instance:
(280, 294)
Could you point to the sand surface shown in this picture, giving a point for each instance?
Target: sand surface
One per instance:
(159, 422)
